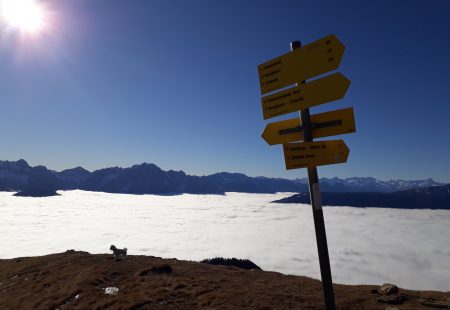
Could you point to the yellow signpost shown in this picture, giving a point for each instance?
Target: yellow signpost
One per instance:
(311, 60)
(326, 124)
(329, 88)
(312, 154)
(295, 67)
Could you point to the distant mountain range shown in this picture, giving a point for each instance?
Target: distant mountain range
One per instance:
(435, 197)
(150, 179)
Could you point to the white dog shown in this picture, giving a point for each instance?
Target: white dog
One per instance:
(118, 252)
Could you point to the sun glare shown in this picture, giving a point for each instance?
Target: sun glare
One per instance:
(25, 15)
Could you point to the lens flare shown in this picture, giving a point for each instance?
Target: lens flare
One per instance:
(25, 15)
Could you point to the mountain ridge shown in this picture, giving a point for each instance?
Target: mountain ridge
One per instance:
(147, 178)
(433, 197)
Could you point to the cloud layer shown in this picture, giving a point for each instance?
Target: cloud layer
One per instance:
(367, 246)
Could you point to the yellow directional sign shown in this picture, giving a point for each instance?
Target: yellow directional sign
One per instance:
(312, 154)
(311, 60)
(324, 124)
(329, 88)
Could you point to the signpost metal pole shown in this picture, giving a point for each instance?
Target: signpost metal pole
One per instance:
(316, 203)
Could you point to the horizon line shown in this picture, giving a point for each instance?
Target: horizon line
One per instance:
(259, 176)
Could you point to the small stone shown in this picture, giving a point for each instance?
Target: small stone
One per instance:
(388, 289)
(111, 290)
(394, 299)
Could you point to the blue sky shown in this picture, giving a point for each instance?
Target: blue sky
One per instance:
(175, 83)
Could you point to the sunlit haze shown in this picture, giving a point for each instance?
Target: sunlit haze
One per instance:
(25, 15)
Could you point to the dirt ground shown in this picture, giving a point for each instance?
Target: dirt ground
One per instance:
(77, 280)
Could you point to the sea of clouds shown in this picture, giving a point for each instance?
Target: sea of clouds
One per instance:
(367, 245)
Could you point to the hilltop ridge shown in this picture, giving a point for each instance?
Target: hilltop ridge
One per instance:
(79, 280)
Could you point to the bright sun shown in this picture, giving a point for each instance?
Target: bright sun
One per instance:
(25, 15)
